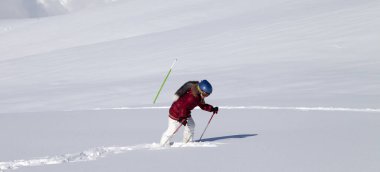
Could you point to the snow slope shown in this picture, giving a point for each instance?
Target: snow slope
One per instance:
(243, 140)
(10, 9)
(297, 82)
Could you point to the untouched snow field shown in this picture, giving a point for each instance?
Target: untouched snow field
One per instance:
(297, 82)
(43, 8)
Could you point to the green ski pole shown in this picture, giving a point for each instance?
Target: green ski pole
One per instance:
(163, 83)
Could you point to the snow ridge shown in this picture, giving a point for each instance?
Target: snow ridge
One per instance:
(343, 109)
(304, 108)
(43, 8)
(94, 154)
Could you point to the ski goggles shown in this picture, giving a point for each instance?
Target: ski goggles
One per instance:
(204, 94)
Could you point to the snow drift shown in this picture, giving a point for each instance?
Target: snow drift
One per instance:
(43, 8)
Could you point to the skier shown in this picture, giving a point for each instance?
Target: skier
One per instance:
(190, 95)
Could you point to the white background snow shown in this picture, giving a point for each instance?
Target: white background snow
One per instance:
(297, 82)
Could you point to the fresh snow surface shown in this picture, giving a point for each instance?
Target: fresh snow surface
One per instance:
(297, 83)
(10, 9)
(94, 154)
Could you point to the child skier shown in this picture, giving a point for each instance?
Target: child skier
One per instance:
(190, 95)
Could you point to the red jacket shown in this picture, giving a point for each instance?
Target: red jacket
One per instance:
(181, 108)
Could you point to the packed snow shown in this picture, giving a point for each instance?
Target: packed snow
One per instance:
(297, 83)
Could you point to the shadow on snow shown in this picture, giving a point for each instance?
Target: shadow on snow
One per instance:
(238, 136)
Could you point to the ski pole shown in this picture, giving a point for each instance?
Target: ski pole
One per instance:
(174, 131)
(163, 83)
(200, 139)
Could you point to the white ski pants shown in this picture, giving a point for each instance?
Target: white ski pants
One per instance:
(188, 132)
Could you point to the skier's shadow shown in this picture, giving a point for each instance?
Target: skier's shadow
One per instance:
(237, 136)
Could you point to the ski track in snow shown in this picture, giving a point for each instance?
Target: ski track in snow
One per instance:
(95, 153)
(343, 109)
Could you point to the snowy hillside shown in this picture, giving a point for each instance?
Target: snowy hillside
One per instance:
(44, 8)
(297, 82)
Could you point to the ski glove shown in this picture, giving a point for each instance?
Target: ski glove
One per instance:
(215, 110)
(183, 121)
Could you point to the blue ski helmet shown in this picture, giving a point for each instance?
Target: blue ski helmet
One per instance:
(205, 86)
